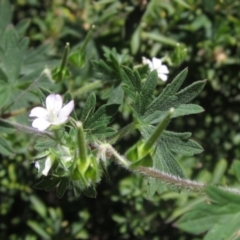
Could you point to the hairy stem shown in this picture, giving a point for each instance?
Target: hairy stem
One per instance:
(87, 88)
(170, 179)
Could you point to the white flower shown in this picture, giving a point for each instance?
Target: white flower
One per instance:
(156, 64)
(54, 114)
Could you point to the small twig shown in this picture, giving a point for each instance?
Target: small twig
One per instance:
(27, 129)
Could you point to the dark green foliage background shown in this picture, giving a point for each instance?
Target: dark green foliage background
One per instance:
(210, 30)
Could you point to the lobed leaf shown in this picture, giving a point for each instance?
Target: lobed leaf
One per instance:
(89, 107)
(148, 88)
(180, 143)
(190, 92)
(187, 109)
(131, 79)
(104, 111)
(45, 145)
(220, 217)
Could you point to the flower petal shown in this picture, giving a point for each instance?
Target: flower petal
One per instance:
(163, 77)
(38, 112)
(145, 60)
(59, 121)
(157, 63)
(163, 69)
(37, 165)
(48, 164)
(148, 62)
(41, 124)
(66, 110)
(54, 103)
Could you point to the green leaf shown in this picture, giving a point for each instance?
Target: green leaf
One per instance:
(90, 192)
(146, 161)
(135, 41)
(167, 98)
(104, 111)
(226, 228)
(5, 15)
(3, 76)
(128, 91)
(148, 88)
(220, 217)
(163, 159)
(39, 230)
(43, 93)
(5, 148)
(223, 197)
(197, 221)
(5, 91)
(89, 107)
(177, 82)
(45, 145)
(190, 92)
(187, 109)
(180, 143)
(131, 79)
(159, 38)
(219, 170)
(116, 96)
(38, 206)
(47, 183)
(13, 54)
(6, 127)
(62, 187)
(167, 144)
(148, 145)
(236, 166)
(78, 186)
(22, 26)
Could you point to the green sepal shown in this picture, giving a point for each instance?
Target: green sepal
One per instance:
(76, 175)
(132, 153)
(61, 72)
(157, 132)
(78, 58)
(92, 173)
(146, 161)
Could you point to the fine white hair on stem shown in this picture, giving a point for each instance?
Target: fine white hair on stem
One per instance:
(184, 184)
